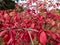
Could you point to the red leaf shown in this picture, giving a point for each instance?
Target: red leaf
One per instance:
(32, 25)
(1, 25)
(52, 34)
(3, 32)
(10, 41)
(43, 38)
(58, 44)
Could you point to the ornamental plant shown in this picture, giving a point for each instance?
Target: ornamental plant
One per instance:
(32, 26)
(28, 28)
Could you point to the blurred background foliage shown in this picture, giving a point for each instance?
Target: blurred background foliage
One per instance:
(7, 4)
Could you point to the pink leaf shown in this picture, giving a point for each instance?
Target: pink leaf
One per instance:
(43, 38)
(3, 32)
(58, 44)
(32, 25)
(10, 41)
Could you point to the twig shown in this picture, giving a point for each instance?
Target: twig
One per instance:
(31, 29)
(31, 38)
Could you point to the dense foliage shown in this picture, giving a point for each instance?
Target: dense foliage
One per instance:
(26, 28)
(35, 25)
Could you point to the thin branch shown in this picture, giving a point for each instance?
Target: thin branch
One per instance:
(31, 38)
(31, 29)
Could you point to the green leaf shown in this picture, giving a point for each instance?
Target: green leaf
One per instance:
(49, 44)
(59, 11)
(1, 43)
